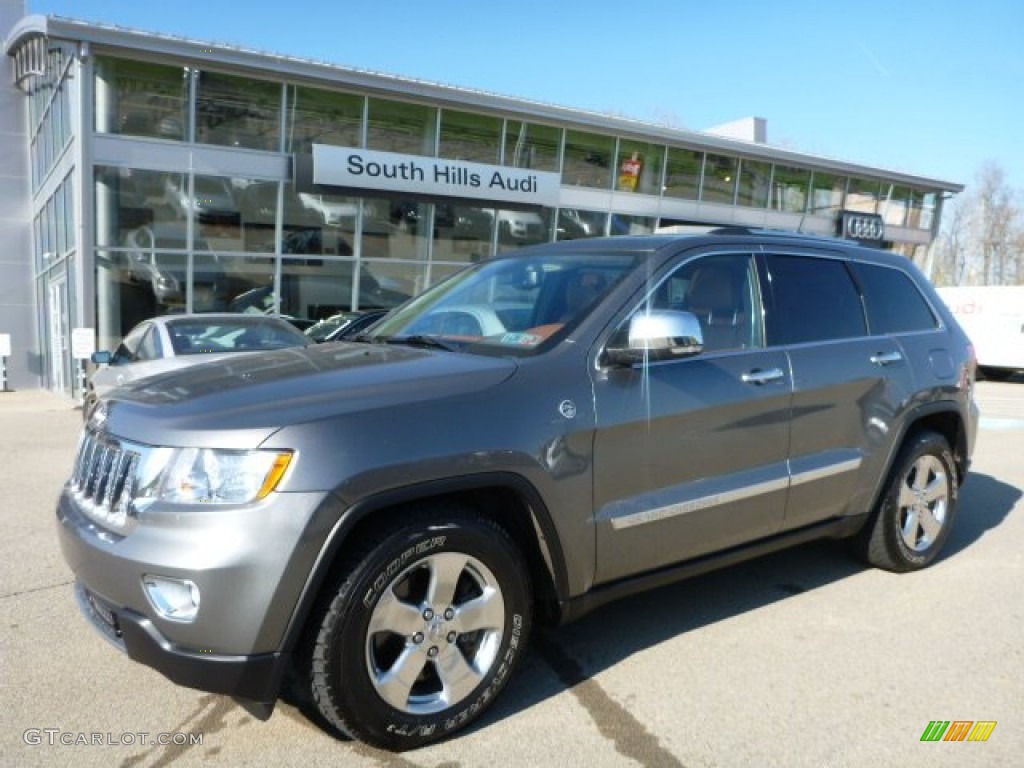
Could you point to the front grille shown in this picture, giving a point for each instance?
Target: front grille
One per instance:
(103, 482)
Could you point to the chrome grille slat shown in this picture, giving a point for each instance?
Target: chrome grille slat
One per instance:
(103, 481)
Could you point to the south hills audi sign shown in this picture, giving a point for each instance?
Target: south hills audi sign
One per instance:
(362, 169)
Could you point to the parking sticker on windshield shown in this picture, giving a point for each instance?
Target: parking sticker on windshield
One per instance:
(522, 339)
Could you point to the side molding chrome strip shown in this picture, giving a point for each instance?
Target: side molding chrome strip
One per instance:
(694, 505)
(728, 497)
(810, 475)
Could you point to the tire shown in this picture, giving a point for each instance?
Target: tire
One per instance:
(422, 630)
(917, 509)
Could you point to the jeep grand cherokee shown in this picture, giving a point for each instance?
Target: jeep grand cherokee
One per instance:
(384, 520)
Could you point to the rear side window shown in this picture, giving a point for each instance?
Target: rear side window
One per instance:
(894, 303)
(813, 300)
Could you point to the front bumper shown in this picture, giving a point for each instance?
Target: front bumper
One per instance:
(256, 677)
(250, 565)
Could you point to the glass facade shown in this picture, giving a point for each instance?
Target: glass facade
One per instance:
(234, 111)
(316, 116)
(194, 226)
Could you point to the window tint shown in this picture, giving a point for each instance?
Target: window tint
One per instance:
(894, 303)
(814, 300)
(722, 292)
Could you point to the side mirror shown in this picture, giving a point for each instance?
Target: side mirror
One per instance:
(103, 357)
(660, 334)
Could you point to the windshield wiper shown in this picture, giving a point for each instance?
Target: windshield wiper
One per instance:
(420, 340)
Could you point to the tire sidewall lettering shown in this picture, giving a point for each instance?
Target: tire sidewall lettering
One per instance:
(397, 565)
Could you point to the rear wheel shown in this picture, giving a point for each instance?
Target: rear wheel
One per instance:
(422, 632)
(917, 510)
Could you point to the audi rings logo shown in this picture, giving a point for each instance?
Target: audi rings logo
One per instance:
(862, 226)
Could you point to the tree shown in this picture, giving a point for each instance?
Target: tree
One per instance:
(982, 238)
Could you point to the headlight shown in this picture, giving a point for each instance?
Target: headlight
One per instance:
(211, 476)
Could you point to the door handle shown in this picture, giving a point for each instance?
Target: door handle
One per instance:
(886, 358)
(762, 376)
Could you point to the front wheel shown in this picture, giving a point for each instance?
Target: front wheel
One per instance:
(422, 632)
(916, 512)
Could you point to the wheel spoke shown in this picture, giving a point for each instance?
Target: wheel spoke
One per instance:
(394, 615)
(910, 527)
(484, 612)
(457, 675)
(395, 684)
(921, 470)
(930, 524)
(445, 570)
(937, 489)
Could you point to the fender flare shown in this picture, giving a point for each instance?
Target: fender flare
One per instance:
(548, 543)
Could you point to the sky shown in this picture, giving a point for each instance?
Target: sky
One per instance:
(931, 88)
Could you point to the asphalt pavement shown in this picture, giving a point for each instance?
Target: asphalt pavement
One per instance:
(802, 658)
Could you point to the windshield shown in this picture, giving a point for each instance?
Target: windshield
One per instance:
(507, 306)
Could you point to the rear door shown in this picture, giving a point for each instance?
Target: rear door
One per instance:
(849, 386)
(690, 454)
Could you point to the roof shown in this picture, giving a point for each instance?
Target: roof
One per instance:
(111, 37)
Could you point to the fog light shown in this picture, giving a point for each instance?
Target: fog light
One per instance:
(173, 599)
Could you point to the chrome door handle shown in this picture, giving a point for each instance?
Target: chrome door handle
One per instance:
(886, 358)
(759, 376)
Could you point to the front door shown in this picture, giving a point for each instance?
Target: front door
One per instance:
(690, 455)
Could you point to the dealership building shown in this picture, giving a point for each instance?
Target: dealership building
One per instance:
(143, 174)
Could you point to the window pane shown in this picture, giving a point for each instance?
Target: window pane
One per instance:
(574, 224)
(928, 203)
(462, 232)
(521, 227)
(588, 160)
(68, 190)
(322, 117)
(408, 129)
(813, 300)
(894, 205)
(755, 177)
(238, 112)
(214, 206)
(315, 290)
(721, 291)
(827, 194)
(863, 195)
(639, 167)
(622, 224)
(894, 303)
(682, 173)
(532, 146)
(137, 98)
(466, 136)
(719, 179)
(128, 199)
(789, 188)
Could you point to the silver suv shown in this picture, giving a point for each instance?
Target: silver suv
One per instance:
(382, 521)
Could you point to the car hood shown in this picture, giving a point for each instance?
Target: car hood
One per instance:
(110, 376)
(239, 401)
